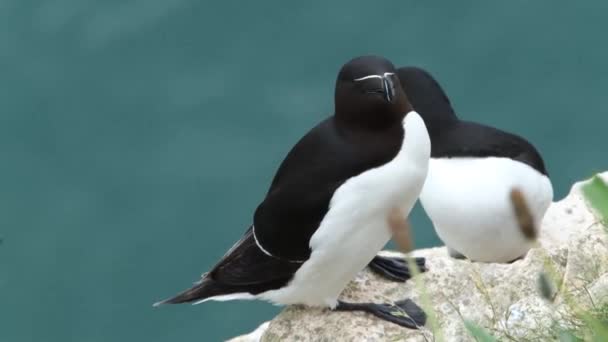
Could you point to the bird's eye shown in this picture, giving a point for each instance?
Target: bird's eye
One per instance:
(372, 86)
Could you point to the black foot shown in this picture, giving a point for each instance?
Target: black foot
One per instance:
(455, 254)
(393, 268)
(404, 313)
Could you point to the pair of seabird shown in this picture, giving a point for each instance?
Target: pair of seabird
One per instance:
(326, 214)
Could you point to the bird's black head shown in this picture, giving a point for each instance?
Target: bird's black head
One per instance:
(428, 98)
(368, 93)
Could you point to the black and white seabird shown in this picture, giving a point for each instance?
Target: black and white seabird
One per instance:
(472, 170)
(326, 214)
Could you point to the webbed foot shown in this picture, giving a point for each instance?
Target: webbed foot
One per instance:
(394, 268)
(404, 313)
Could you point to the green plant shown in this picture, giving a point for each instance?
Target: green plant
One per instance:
(579, 323)
(584, 324)
(479, 333)
(596, 194)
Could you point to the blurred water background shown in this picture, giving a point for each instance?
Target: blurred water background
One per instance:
(137, 137)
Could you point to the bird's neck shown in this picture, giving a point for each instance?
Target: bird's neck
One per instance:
(436, 124)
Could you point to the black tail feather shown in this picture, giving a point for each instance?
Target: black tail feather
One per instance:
(203, 289)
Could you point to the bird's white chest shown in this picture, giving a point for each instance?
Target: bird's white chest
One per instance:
(468, 201)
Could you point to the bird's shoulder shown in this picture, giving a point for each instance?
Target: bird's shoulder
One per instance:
(470, 139)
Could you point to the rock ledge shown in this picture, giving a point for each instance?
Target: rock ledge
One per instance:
(502, 298)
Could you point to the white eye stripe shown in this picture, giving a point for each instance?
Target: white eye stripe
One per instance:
(367, 77)
(374, 76)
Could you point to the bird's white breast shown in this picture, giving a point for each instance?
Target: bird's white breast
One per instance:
(468, 201)
(355, 228)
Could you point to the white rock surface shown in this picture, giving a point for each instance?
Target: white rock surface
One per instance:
(253, 336)
(502, 298)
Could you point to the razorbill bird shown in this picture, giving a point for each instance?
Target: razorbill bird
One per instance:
(472, 170)
(326, 214)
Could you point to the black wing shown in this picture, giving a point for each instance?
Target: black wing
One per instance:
(305, 182)
(472, 139)
(243, 269)
(246, 268)
(296, 203)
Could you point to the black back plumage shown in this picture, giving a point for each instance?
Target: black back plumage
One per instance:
(451, 137)
(304, 185)
(365, 132)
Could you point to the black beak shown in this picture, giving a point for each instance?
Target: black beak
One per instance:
(389, 89)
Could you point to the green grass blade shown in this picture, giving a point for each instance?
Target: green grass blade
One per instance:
(599, 328)
(568, 336)
(479, 333)
(596, 194)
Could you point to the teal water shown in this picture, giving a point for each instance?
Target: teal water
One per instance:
(137, 137)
